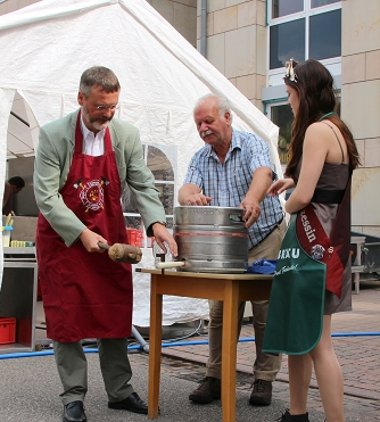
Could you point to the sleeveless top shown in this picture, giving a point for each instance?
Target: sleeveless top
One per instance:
(333, 178)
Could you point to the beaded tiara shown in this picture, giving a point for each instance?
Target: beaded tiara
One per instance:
(290, 72)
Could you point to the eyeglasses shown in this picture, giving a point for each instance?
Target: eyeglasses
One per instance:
(107, 107)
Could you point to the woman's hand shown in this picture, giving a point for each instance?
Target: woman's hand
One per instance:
(280, 186)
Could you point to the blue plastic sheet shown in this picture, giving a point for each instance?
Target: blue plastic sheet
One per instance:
(263, 266)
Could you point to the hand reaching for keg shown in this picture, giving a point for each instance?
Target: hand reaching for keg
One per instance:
(191, 194)
(251, 212)
(164, 239)
(199, 199)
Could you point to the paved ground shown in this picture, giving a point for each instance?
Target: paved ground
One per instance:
(358, 355)
(30, 386)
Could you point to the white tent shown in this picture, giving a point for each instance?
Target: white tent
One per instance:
(45, 48)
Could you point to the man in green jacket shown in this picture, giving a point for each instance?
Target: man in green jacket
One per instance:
(82, 164)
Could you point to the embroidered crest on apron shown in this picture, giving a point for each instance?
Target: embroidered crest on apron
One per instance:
(92, 193)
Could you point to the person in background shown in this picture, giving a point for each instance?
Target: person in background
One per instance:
(83, 161)
(322, 157)
(13, 186)
(234, 169)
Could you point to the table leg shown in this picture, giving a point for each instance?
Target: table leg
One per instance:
(229, 344)
(155, 335)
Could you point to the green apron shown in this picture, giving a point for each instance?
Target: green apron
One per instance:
(295, 315)
(309, 263)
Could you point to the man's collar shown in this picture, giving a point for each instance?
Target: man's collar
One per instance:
(235, 143)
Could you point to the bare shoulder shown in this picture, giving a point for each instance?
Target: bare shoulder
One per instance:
(327, 136)
(326, 127)
(319, 128)
(321, 131)
(316, 133)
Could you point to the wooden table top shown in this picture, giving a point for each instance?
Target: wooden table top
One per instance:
(225, 276)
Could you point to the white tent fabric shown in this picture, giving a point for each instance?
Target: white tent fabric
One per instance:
(46, 47)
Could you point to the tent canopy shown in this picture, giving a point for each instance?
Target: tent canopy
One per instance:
(46, 47)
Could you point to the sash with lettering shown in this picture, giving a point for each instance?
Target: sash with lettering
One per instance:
(308, 264)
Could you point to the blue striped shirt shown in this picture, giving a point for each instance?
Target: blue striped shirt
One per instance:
(227, 183)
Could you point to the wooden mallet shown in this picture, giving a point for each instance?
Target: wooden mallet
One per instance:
(121, 252)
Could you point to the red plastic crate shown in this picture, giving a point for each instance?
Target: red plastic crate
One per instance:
(7, 330)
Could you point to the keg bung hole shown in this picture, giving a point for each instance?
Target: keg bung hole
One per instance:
(235, 218)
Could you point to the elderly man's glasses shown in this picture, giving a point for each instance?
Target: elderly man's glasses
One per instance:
(103, 107)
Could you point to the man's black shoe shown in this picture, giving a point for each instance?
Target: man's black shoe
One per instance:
(133, 403)
(74, 412)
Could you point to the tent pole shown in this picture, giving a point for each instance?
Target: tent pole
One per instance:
(140, 339)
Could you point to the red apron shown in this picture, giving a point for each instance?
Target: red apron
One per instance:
(86, 295)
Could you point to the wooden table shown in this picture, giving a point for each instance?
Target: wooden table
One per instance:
(229, 288)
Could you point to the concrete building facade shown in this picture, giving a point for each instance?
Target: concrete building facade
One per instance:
(245, 37)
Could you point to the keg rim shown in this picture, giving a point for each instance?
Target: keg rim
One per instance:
(208, 207)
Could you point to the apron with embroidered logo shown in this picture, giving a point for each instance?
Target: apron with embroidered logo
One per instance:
(86, 295)
(309, 263)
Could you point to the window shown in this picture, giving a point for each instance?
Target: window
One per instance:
(325, 43)
(287, 41)
(299, 29)
(318, 3)
(282, 116)
(288, 7)
(284, 7)
(303, 29)
(163, 173)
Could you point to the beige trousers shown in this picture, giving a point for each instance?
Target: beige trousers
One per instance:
(265, 366)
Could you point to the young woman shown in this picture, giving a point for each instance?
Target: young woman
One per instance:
(313, 278)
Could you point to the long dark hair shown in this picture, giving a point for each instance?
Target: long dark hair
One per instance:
(314, 85)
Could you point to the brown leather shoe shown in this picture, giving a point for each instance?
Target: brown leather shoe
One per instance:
(261, 394)
(208, 390)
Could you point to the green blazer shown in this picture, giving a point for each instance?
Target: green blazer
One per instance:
(53, 160)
